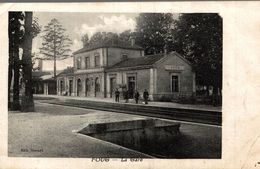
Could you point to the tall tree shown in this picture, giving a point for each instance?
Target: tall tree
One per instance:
(126, 36)
(85, 40)
(15, 33)
(27, 96)
(104, 38)
(110, 37)
(152, 31)
(199, 38)
(96, 38)
(56, 44)
(31, 30)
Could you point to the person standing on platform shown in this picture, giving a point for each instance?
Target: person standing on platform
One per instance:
(136, 96)
(126, 96)
(117, 93)
(145, 96)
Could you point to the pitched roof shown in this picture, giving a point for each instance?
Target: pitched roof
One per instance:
(40, 73)
(44, 75)
(47, 77)
(122, 45)
(141, 61)
(69, 70)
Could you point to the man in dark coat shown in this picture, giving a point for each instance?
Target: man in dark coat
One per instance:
(136, 96)
(145, 96)
(117, 93)
(126, 96)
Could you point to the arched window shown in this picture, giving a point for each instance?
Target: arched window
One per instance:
(88, 85)
(97, 85)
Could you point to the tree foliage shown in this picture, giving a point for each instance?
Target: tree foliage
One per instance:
(107, 38)
(126, 36)
(85, 40)
(56, 44)
(153, 30)
(104, 38)
(199, 38)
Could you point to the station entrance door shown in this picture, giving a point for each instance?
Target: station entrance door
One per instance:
(131, 86)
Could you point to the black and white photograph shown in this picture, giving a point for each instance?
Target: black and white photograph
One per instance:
(130, 85)
(115, 85)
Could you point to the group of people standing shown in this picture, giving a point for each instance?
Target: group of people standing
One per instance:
(136, 96)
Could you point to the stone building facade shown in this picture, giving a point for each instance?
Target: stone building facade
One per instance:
(99, 70)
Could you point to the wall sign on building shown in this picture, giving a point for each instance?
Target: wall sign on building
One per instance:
(173, 67)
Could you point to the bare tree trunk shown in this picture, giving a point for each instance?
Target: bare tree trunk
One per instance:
(54, 73)
(55, 63)
(10, 75)
(27, 99)
(16, 85)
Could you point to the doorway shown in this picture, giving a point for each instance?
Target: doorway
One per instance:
(79, 86)
(131, 86)
(87, 87)
(70, 87)
(61, 87)
(112, 86)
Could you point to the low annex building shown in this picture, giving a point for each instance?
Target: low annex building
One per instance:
(43, 82)
(100, 69)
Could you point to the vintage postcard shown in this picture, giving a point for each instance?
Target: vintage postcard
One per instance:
(138, 85)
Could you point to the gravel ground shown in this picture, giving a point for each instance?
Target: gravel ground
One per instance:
(48, 133)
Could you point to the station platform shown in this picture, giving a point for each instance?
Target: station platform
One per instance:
(132, 102)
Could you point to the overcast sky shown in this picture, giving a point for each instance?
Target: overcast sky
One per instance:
(78, 24)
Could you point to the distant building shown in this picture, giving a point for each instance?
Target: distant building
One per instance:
(43, 78)
(100, 69)
(43, 82)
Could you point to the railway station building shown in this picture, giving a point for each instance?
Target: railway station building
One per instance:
(99, 70)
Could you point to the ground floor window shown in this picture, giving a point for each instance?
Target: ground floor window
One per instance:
(175, 83)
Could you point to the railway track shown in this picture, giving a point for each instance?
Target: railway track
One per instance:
(190, 115)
